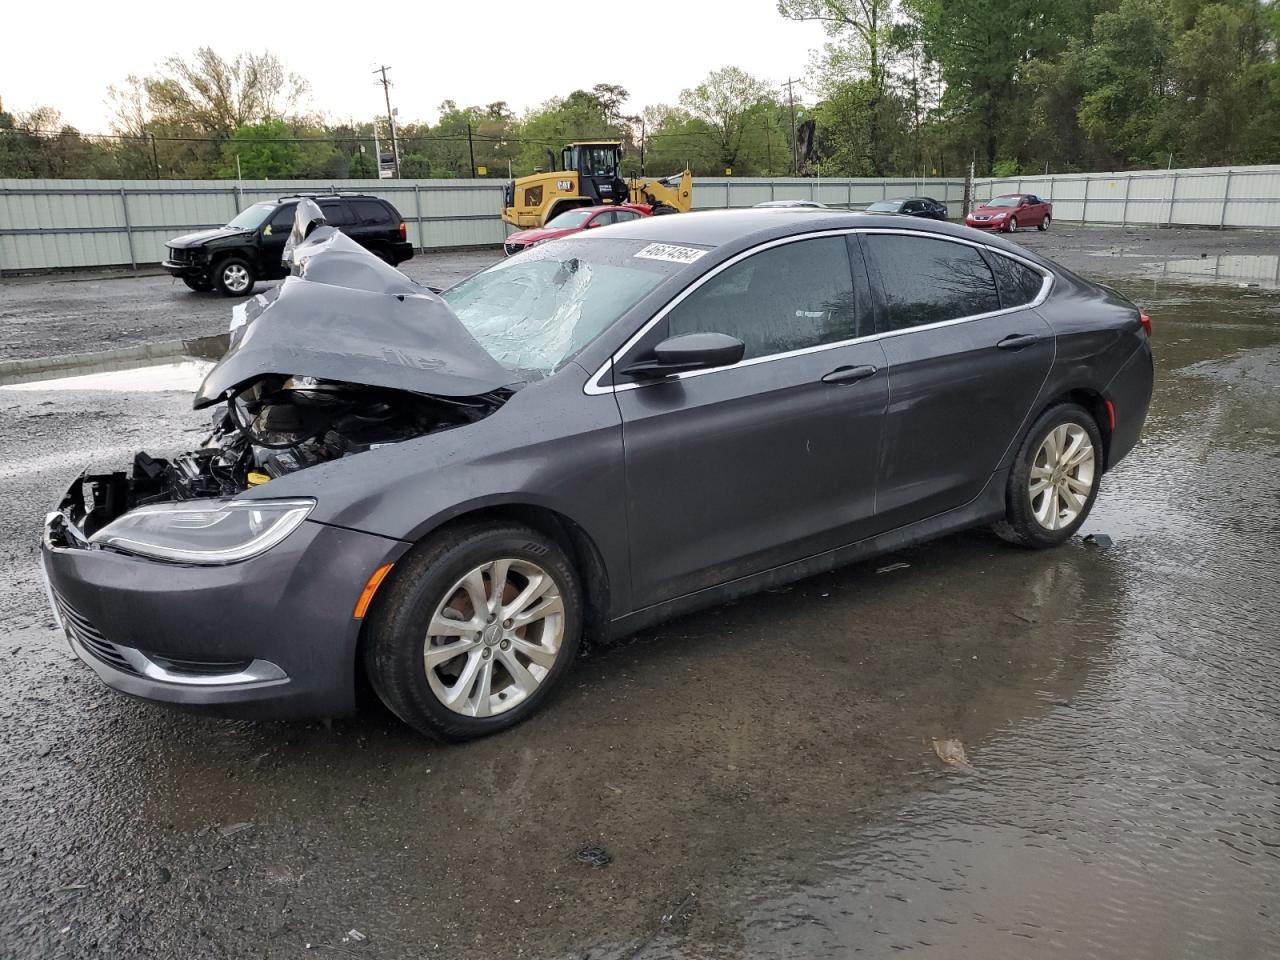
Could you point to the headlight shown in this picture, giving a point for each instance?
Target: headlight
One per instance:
(210, 532)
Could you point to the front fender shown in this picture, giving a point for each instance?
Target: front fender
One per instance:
(550, 446)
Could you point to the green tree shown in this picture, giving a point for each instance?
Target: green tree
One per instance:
(262, 153)
(852, 67)
(724, 101)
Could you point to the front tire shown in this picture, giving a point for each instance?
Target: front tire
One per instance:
(234, 277)
(1054, 479)
(1013, 225)
(198, 284)
(1044, 224)
(476, 629)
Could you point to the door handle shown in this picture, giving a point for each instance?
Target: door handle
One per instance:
(849, 374)
(1018, 340)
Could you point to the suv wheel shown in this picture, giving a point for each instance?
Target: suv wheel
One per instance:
(1054, 479)
(475, 629)
(234, 277)
(199, 284)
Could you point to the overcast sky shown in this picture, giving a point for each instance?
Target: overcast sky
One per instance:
(66, 54)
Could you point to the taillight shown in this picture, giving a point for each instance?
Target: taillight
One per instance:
(1146, 321)
(404, 235)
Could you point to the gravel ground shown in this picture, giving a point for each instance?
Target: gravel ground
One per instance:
(767, 776)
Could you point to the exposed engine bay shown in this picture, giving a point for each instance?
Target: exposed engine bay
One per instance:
(273, 427)
(346, 356)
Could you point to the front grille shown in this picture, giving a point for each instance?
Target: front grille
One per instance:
(89, 637)
(181, 254)
(512, 248)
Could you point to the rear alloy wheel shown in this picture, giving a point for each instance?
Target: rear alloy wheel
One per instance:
(234, 277)
(1013, 224)
(475, 631)
(1044, 224)
(1054, 479)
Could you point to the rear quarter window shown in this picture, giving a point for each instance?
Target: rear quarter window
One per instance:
(1018, 283)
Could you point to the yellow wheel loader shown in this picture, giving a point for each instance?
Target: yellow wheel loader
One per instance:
(588, 176)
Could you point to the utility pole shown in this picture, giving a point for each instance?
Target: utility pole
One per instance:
(791, 97)
(471, 151)
(155, 160)
(391, 122)
(642, 144)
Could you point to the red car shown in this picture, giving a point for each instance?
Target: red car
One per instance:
(574, 221)
(1011, 212)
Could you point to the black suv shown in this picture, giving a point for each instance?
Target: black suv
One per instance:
(926, 207)
(248, 249)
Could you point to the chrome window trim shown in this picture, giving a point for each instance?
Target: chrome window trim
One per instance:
(594, 387)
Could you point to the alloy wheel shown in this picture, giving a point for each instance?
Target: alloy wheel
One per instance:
(494, 637)
(235, 278)
(1062, 476)
(1013, 224)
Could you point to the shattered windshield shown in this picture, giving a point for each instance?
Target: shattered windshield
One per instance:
(533, 312)
(253, 217)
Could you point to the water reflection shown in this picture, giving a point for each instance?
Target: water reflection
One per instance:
(1254, 270)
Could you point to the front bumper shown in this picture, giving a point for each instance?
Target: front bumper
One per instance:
(985, 224)
(272, 637)
(185, 268)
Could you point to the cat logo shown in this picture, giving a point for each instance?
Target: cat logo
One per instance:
(564, 184)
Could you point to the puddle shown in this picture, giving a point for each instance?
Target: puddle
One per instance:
(170, 365)
(1237, 270)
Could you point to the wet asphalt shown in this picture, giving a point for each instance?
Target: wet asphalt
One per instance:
(767, 776)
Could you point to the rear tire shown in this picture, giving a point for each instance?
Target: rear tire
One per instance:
(234, 277)
(1044, 224)
(198, 284)
(1054, 479)
(501, 670)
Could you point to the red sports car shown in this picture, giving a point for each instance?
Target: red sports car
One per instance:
(1011, 212)
(574, 221)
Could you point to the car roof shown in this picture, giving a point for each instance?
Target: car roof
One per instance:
(746, 227)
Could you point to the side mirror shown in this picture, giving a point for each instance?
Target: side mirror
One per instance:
(687, 352)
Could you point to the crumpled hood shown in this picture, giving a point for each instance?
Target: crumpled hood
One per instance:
(204, 236)
(345, 315)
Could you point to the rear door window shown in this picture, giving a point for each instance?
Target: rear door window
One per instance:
(369, 211)
(926, 280)
(1018, 283)
(786, 298)
(335, 213)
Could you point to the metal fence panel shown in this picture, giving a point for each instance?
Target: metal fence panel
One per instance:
(1201, 196)
(58, 224)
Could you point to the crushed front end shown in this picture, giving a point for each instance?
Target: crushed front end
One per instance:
(182, 580)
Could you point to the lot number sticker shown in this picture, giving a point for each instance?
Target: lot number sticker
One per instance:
(670, 252)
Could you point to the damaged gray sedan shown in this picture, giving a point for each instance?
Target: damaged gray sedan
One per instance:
(442, 493)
